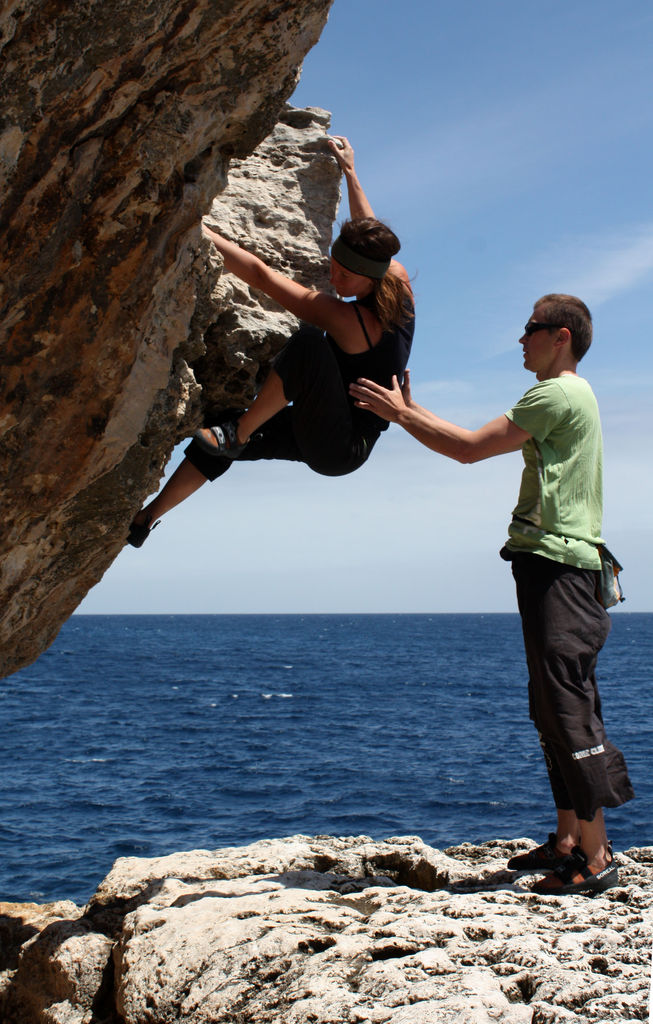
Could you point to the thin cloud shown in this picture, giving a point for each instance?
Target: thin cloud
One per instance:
(451, 388)
(598, 267)
(602, 268)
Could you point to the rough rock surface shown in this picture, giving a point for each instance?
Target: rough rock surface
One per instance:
(118, 125)
(327, 930)
(280, 204)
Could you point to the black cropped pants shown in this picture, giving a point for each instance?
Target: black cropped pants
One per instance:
(317, 428)
(564, 628)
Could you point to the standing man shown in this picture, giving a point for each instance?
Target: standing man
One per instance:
(552, 545)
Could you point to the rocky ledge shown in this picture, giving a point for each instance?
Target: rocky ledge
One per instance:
(322, 929)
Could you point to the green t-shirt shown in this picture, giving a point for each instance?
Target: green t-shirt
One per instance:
(560, 506)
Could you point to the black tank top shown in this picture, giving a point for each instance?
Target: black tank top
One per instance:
(379, 363)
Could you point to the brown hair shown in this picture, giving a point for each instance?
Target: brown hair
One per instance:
(369, 237)
(570, 312)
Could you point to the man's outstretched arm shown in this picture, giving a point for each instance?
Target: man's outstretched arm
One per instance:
(396, 405)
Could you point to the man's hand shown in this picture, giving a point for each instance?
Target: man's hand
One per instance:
(383, 402)
(405, 389)
(495, 438)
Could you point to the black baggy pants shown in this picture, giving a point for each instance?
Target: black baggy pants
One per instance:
(317, 428)
(564, 628)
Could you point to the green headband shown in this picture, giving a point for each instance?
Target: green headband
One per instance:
(351, 260)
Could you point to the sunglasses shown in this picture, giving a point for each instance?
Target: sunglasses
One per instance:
(532, 326)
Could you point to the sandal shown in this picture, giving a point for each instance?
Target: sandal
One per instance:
(546, 857)
(221, 440)
(139, 532)
(574, 875)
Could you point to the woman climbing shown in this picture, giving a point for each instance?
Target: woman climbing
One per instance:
(304, 412)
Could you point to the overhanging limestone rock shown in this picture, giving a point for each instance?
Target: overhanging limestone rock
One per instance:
(120, 125)
(280, 204)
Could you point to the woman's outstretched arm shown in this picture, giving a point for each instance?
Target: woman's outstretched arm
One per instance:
(359, 204)
(317, 308)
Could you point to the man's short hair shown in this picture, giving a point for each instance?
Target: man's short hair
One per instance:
(570, 312)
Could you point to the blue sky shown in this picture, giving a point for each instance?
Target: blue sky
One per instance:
(509, 145)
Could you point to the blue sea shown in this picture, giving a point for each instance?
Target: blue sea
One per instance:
(146, 735)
